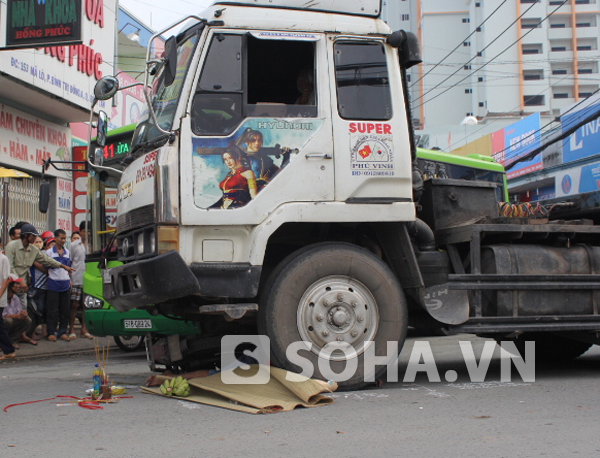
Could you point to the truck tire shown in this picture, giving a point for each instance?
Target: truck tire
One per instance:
(333, 292)
(551, 347)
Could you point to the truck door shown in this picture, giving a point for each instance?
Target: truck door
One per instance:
(258, 133)
(372, 150)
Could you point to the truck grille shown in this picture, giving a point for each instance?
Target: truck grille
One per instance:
(142, 216)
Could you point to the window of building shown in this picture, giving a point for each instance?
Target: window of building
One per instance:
(534, 100)
(481, 104)
(558, 25)
(363, 85)
(467, 67)
(466, 20)
(405, 17)
(558, 48)
(466, 43)
(468, 91)
(480, 79)
(230, 89)
(469, 114)
(556, 2)
(533, 75)
(584, 24)
(560, 71)
(561, 95)
(532, 48)
(408, 77)
(478, 29)
(584, 48)
(585, 95)
(585, 71)
(582, 2)
(477, 4)
(531, 23)
(530, 1)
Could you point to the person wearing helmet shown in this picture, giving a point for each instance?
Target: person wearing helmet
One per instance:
(47, 234)
(21, 255)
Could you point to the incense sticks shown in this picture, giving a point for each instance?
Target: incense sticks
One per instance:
(102, 354)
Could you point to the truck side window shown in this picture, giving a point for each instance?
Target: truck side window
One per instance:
(281, 78)
(363, 86)
(217, 104)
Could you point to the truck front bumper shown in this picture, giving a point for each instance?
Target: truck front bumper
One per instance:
(149, 281)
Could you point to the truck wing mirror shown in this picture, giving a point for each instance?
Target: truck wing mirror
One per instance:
(170, 61)
(102, 128)
(44, 199)
(106, 87)
(408, 45)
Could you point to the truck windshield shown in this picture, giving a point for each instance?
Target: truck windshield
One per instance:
(164, 99)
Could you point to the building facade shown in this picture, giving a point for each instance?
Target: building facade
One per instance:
(497, 60)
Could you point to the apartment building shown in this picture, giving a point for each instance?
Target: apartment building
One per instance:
(498, 60)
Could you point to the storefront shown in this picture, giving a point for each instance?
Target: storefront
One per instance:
(42, 91)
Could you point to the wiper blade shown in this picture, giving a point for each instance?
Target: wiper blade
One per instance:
(150, 145)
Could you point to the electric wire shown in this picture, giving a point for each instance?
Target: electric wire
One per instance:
(461, 43)
(482, 50)
(502, 52)
(540, 93)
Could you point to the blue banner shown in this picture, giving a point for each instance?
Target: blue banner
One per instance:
(520, 139)
(586, 140)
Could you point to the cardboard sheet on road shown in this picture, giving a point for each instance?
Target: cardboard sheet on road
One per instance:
(278, 395)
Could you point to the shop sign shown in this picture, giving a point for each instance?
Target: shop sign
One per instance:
(26, 142)
(64, 195)
(69, 71)
(32, 24)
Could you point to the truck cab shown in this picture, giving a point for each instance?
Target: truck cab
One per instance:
(282, 118)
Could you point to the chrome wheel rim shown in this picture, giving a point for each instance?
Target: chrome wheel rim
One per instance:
(337, 309)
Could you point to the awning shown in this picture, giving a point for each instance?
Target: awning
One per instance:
(12, 173)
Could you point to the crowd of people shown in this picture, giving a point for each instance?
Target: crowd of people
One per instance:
(41, 282)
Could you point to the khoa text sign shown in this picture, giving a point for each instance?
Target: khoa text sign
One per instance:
(37, 23)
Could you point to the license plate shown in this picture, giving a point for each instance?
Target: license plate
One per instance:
(137, 324)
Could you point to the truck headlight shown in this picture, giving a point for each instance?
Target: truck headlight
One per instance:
(152, 242)
(91, 302)
(140, 243)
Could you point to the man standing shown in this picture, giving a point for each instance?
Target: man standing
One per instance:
(23, 253)
(16, 320)
(78, 263)
(59, 286)
(5, 343)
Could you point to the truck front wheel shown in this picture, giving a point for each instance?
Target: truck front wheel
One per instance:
(328, 295)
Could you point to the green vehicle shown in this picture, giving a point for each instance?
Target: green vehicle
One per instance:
(128, 328)
(475, 167)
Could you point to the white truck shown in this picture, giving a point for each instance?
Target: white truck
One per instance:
(272, 188)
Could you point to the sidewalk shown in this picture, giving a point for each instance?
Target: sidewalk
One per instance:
(46, 348)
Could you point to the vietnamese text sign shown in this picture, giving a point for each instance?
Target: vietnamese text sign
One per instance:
(26, 142)
(586, 140)
(36, 23)
(520, 139)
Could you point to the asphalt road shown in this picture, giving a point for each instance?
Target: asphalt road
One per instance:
(557, 415)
